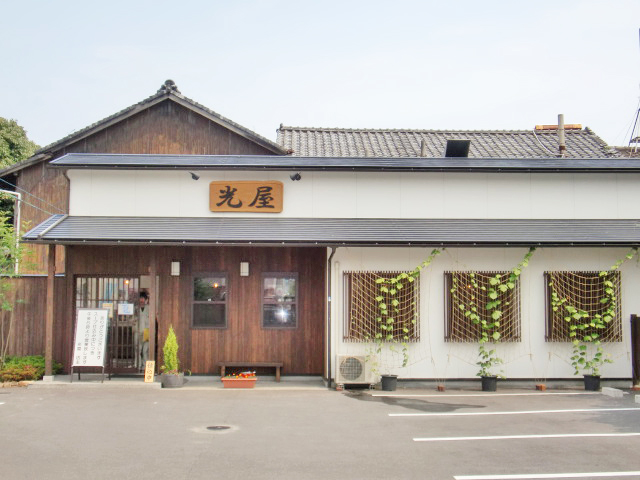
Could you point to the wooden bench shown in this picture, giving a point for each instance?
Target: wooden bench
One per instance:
(276, 365)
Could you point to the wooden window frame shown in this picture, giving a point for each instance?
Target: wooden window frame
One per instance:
(295, 303)
(350, 334)
(450, 336)
(195, 302)
(613, 330)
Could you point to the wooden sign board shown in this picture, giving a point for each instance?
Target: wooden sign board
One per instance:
(245, 196)
(90, 341)
(149, 371)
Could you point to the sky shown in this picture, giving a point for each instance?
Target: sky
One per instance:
(437, 65)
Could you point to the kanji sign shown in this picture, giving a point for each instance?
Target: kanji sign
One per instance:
(245, 196)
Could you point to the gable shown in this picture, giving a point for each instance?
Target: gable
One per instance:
(166, 127)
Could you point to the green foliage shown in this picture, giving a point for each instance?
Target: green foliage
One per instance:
(14, 144)
(588, 355)
(30, 367)
(12, 253)
(17, 374)
(488, 316)
(388, 307)
(170, 353)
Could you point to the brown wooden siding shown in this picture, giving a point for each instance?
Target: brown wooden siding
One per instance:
(301, 348)
(165, 128)
(27, 337)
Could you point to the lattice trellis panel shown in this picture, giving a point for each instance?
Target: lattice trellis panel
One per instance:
(361, 307)
(583, 290)
(458, 326)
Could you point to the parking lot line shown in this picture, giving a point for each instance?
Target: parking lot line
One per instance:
(522, 412)
(483, 394)
(546, 475)
(510, 437)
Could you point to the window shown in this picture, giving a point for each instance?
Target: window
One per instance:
(361, 307)
(582, 290)
(280, 300)
(209, 301)
(460, 291)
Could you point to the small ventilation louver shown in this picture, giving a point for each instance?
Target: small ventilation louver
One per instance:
(457, 148)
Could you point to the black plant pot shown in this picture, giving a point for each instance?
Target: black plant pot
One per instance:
(169, 380)
(389, 383)
(592, 383)
(490, 384)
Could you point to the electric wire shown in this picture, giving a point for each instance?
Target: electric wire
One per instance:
(34, 196)
(535, 135)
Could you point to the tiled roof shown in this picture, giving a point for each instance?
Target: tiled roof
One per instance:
(344, 142)
(63, 229)
(629, 152)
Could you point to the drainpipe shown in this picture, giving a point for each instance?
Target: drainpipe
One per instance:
(561, 141)
(329, 336)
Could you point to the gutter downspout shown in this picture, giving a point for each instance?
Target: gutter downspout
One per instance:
(329, 336)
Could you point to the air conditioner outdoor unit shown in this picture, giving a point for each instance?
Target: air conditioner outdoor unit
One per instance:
(352, 369)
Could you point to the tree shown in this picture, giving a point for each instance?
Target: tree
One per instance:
(15, 146)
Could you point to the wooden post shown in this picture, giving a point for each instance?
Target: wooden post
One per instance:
(48, 329)
(153, 301)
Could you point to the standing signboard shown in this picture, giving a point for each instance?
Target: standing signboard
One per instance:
(90, 341)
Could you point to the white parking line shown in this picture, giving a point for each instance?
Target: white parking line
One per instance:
(546, 475)
(523, 412)
(540, 394)
(510, 437)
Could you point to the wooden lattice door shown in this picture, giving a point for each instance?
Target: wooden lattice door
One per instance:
(120, 295)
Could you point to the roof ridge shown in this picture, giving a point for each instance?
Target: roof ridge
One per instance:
(283, 128)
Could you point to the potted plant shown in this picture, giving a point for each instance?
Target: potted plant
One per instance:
(488, 359)
(484, 306)
(239, 380)
(171, 376)
(393, 328)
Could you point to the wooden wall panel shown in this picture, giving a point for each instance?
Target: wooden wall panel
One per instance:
(301, 349)
(27, 337)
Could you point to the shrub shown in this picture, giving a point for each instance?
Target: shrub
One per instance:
(18, 373)
(170, 353)
(15, 365)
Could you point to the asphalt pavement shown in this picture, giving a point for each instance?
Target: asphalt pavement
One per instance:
(302, 430)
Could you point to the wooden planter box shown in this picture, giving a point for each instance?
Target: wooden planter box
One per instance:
(239, 382)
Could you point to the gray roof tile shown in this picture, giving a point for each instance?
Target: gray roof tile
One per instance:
(390, 143)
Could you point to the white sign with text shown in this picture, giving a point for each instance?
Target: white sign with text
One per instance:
(91, 337)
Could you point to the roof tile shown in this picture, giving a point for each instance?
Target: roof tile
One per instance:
(390, 143)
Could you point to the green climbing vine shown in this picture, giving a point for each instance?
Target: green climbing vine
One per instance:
(488, 316)
(390, 332)
(588, 354)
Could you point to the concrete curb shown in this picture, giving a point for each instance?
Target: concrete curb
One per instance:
(612, 392)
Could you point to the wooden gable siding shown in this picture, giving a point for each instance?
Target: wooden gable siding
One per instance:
(165, 128)
(244, 339)
(48, 194)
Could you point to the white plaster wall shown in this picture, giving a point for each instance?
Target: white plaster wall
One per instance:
(365, 195)
(532, 357)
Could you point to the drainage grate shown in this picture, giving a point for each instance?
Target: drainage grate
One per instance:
(219, 427)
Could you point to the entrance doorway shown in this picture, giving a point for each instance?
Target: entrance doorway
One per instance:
(126, 336)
